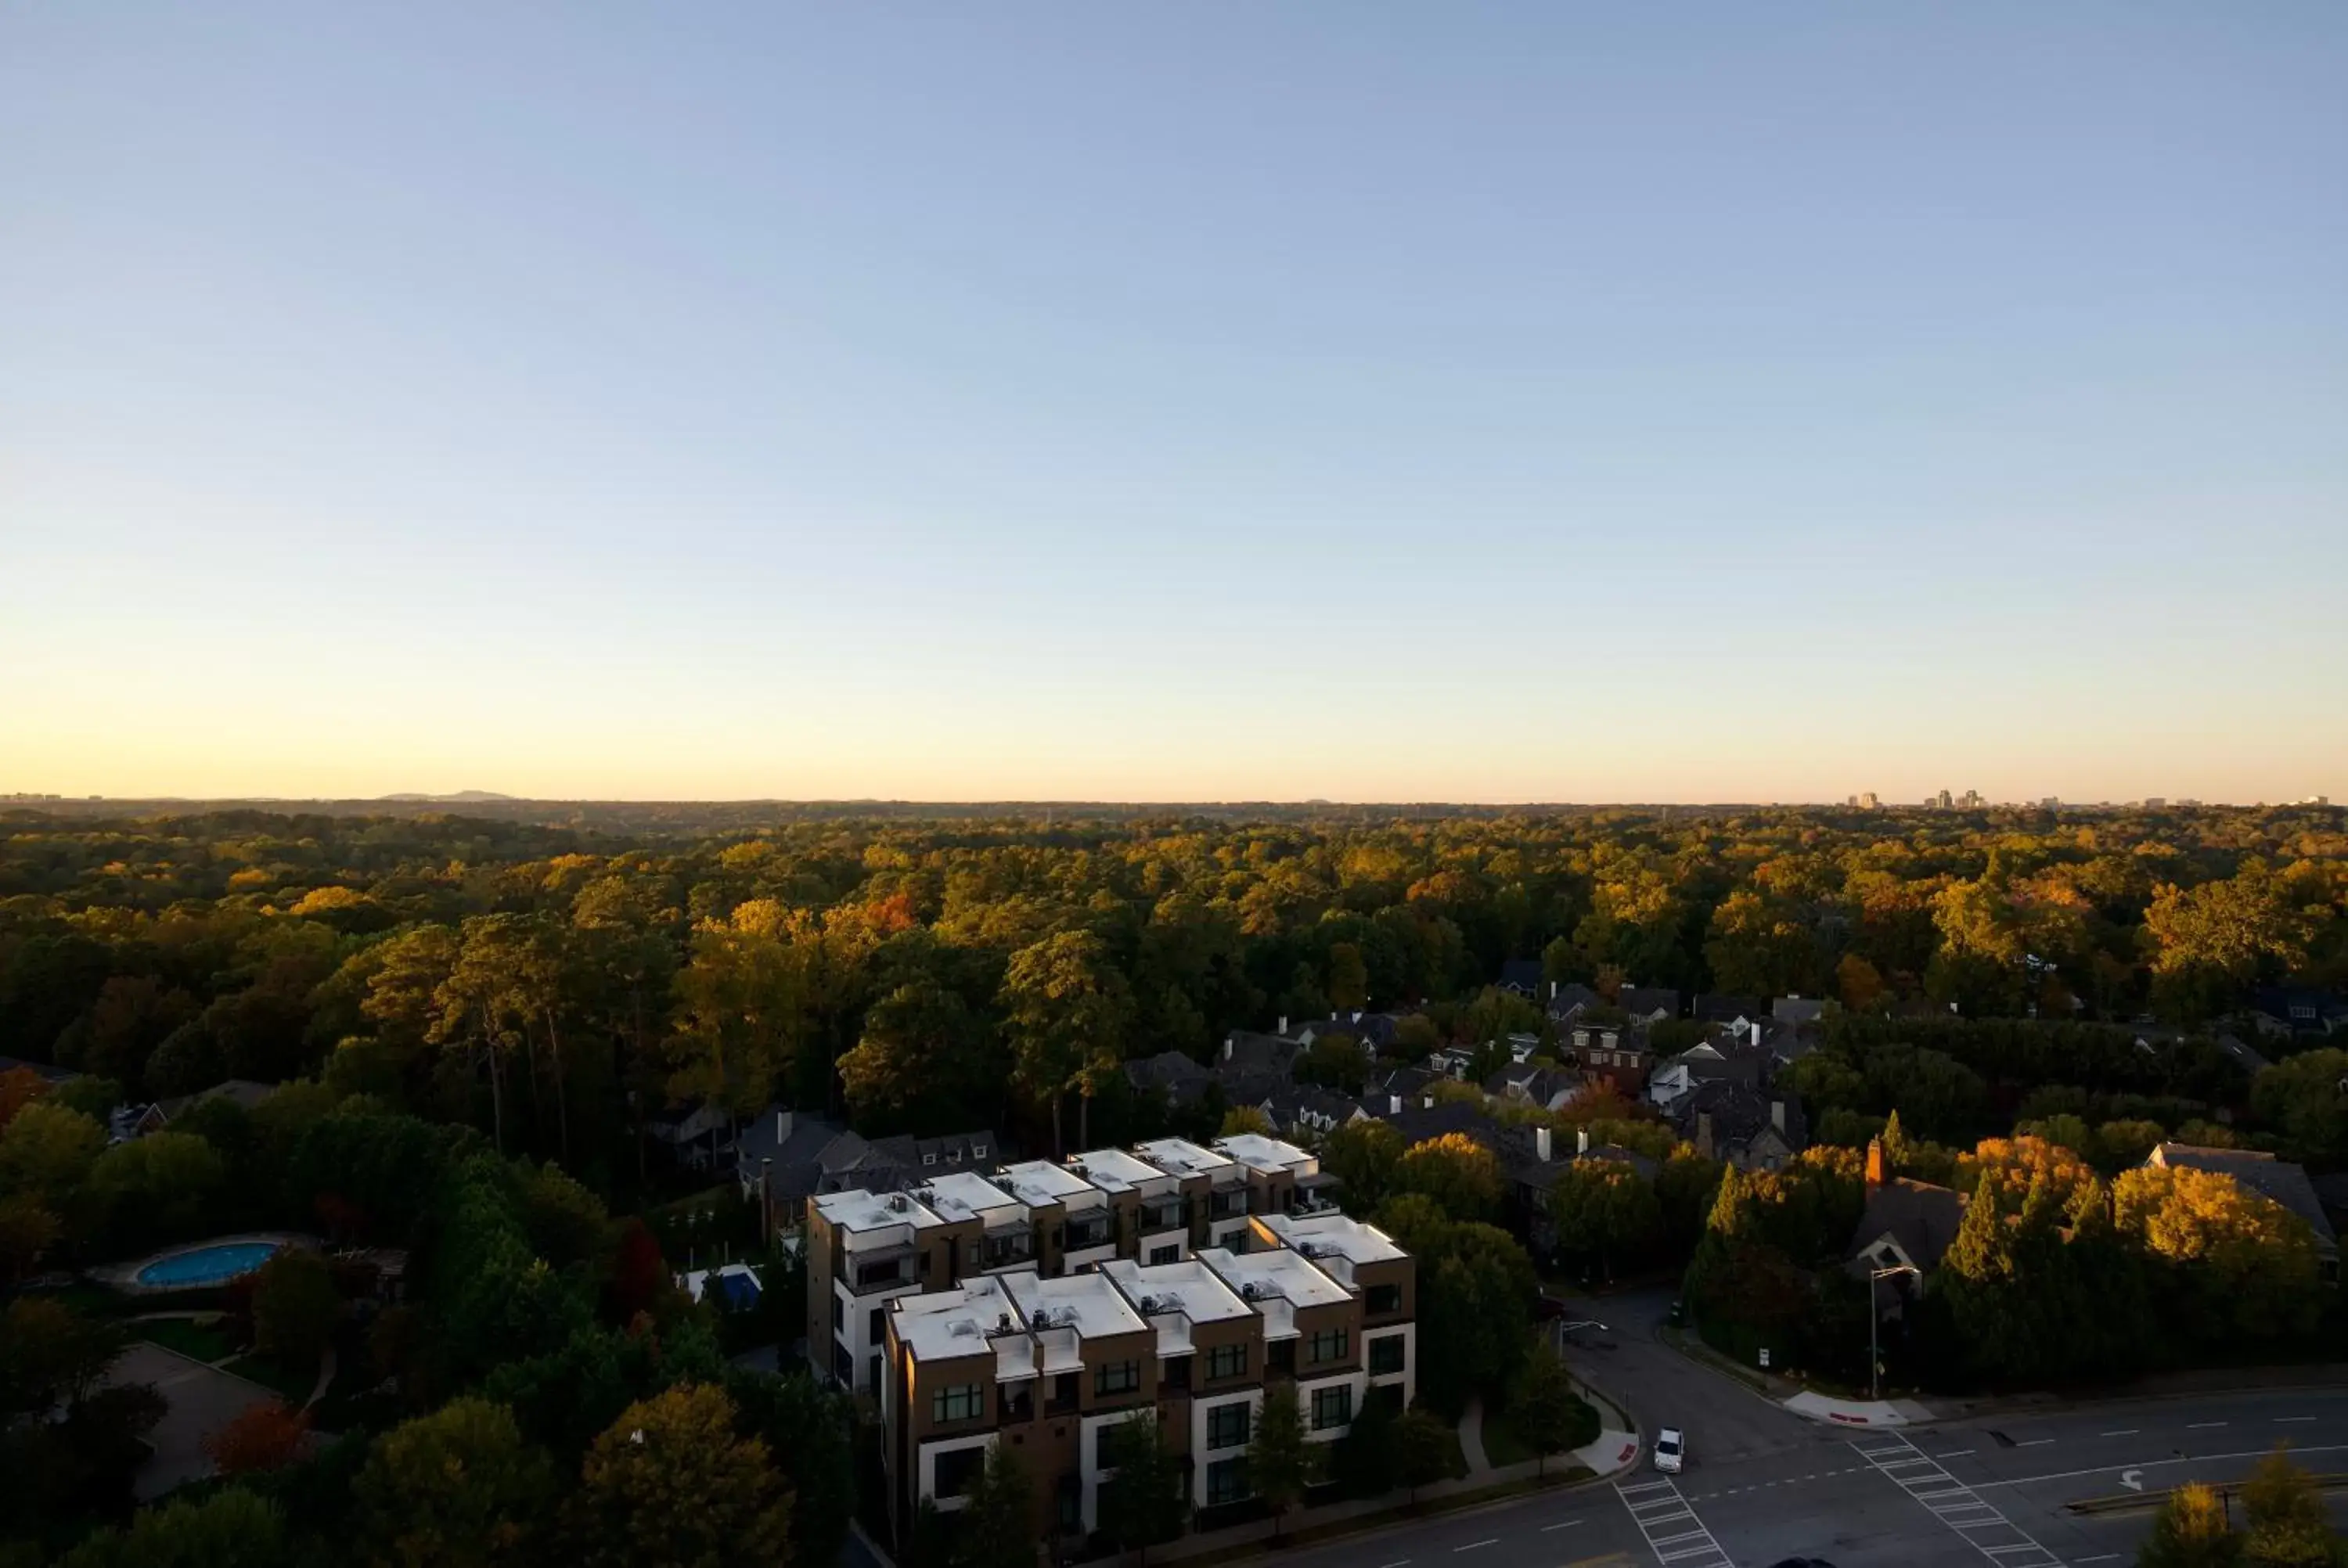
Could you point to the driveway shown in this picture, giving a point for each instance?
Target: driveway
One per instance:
(202, 1400)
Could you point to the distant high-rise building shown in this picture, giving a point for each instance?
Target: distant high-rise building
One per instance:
(1943, 801)
(2156, 803)
(2051, 804)
(1852, 802)
(1867, 801)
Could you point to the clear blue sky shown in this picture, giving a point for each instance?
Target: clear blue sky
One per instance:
(1525, 402)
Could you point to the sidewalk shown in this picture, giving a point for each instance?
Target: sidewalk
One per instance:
(1615, 1450)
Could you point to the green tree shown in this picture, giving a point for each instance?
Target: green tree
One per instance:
(1349, 979)
(294, 1308)
(808, 1426)
(1456, 1171)
(926, 1062)
(2191, 1531)
(2289, 1526)
(1066, 1010)
(1422, 1448)
(2211, 941)
(1545, 1411)
(456, 1489)
(1362, 1156)
(1242, 1119)
(1281, 1460)
(998, 1520)
(47, 1152)
(1603, 1209)
(163, 1186)
(671, 1483)
(2305, 1097)
(1365, 1461)
(230, 1529)
(1142, 1503)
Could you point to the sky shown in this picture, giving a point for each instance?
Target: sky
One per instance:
(1367, 401)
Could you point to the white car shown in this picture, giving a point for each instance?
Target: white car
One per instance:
(1670, 1450)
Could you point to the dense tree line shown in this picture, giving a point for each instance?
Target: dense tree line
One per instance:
(553, 985)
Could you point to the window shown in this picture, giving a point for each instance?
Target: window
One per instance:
(1328, 1345)
(1164, 1254)
(931, 1158)
(878, 1325)
(839, 1316)
(1117, 1378)
(1105, 1445)
(978, 1151)
(1227, 1426)
(953, 1156)
(1175, 1372)
(1227, 1362)
(1226, 1480)
(957, 1468)
(1332, 1407)
(1018, 1401)
(1070, 1495)
(1064, 1392)
(1386, 1355)
(1383, 1299)
(962, 1402)
(1279, 1356)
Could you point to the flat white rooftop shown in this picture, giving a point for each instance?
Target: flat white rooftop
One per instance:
(1287, 1274)
(1181, 1157)
(943, 1323)
(1039, 1182)
(857, 1210)
(965, 1195)
(1259, 1153)
(1090, 1304)
(1115, 1170)
(1189, 1287)
(1341, 1235)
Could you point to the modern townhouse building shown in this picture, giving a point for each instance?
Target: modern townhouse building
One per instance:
(1152, 1222)
(1051, 1362)
(1214, 1187)
(1379, 1275)
(1074, 1225)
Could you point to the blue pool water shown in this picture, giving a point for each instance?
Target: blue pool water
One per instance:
(208, 1264)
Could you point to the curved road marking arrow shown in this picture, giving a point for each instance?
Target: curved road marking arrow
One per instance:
(2133, 1479)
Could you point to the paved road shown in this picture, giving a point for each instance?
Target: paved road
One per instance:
(1763, 1484)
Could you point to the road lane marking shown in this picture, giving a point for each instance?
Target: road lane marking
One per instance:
(2148, 1463)
(2000, 1541)
(2282, 1420)
(1471, 1546)
(1659, 1519)
(1952, 1453)
(2042, 1442)
(2098, 1557)
(2201, 1425)
(1562, 1524)
(2122, 1432)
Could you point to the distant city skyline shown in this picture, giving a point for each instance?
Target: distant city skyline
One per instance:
(1524, 404)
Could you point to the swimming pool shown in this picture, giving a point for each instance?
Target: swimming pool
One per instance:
(208, 1264)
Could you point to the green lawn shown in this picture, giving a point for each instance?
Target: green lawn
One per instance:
(201, 1341)
(292, 1387)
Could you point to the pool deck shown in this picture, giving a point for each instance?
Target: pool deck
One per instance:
(124, 1276)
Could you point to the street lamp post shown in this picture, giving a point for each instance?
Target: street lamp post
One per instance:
(1874, 1357)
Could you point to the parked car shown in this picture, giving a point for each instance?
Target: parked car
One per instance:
(1670, 1450)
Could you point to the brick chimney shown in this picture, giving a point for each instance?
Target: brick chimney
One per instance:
(1703, 1133)
(1874, 1164)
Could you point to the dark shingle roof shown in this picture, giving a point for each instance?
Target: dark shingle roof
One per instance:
(1923, 1218)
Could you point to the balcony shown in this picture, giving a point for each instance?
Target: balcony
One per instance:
(865, 1273)
(1228, 1206)
(1089, 1231)
(1007, 1249)
(1163, 1216)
